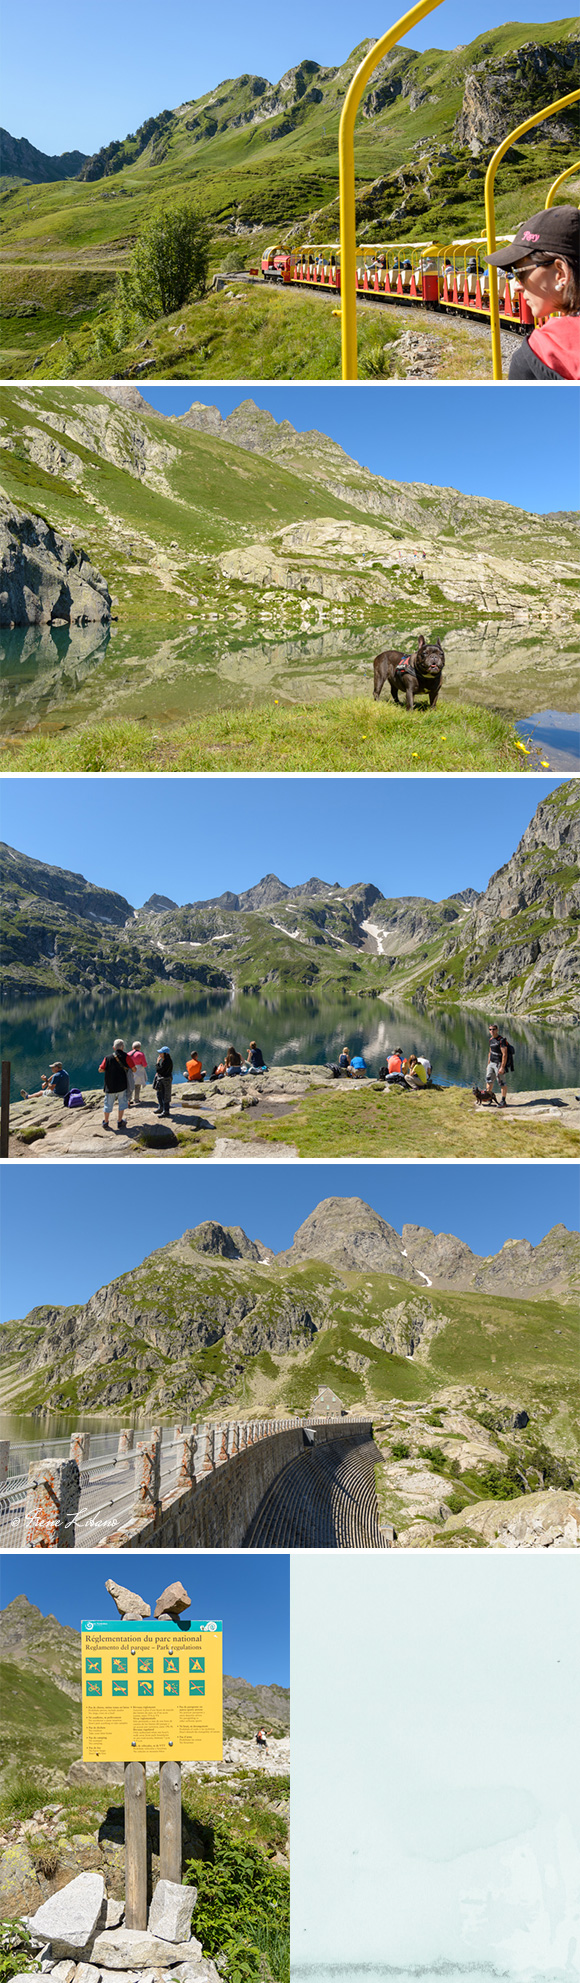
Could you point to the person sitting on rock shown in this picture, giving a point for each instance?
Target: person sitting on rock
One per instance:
(344, 1061)
(56, 1082)
(415, 1076)
(254, 1062)
(395, 1065)
(358, 1067)
(233, 1061)
(193, 1066)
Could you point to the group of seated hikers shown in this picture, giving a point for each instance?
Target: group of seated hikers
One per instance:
(254, 1063)
(413, 1071)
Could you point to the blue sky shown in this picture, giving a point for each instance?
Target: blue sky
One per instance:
(481, 443)
(251, 1594)
(190, 838)
(91, 1223)
(96, 72)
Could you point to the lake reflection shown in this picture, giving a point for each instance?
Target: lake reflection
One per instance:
(289, 1029)
(57, 678)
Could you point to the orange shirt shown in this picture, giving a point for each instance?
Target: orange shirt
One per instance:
(193, 1068)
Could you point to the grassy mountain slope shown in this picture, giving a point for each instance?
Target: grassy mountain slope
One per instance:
(518, 941)
(204, 1328)
(261, 159)
(221, 527)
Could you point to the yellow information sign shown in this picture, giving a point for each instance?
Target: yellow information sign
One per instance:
(152, 1692)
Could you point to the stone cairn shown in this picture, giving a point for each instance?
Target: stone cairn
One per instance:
(82, 1936)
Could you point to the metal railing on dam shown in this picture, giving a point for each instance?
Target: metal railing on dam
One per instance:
(267, 1483)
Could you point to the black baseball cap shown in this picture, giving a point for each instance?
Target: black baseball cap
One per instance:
(554, 231)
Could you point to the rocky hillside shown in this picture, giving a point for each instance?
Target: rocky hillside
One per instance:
(520, 941)
(215, 1324)
(204, 526)
(20, 160)
(62, 933)
(40, 1645)
(264, 155)
(44, 579)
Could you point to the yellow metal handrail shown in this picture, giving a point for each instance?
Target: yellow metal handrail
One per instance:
(562, 103)
(347, 195)
(549, 202)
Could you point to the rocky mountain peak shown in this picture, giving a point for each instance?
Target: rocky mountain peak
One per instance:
(228, 1242)
(347, 1233)
(155, 904)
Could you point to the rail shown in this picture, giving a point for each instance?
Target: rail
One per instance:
(70, 1499)
(549, 200)
(519, 132)
(347, 195)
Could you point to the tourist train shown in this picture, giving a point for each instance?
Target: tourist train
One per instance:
(439, 276)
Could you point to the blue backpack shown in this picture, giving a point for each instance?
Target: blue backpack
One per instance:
(74, 1099)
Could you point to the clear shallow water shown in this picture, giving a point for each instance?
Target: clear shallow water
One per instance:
(556, 736)
(289, 1029)
(55, 678)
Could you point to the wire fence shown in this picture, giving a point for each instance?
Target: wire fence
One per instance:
(109, 1477)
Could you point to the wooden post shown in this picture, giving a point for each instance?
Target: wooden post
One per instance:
(135, 1846)
(170, 1821)
(5, 1110)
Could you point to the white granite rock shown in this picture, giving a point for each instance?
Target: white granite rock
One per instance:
(115, 1912)
(171, 1911)
(70, 1919)
(63, 1972)
(136, 1948)
(86, 1973)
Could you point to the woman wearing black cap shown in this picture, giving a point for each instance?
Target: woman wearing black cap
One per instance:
(544, 257)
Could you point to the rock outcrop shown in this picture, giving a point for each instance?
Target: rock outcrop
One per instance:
(521, 944)
(502, 92)
(44, 577)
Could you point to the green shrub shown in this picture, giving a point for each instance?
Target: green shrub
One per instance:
(16, 1952)
(242, 1909)
(32, 1135)
(400, 1451)
(168, 266)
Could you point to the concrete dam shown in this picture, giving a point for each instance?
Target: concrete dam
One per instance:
(271, 1484)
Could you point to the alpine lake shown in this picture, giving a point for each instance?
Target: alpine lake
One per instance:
(291, 1028)
(53, 679)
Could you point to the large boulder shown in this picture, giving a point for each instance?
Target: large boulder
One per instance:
(44, 577)
(171, 1911)
(71, 1918)
(137, 1948)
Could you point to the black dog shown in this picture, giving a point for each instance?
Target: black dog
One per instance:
(483, 1099)
(402, 671)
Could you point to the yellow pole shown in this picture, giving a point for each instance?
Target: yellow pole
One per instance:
(346, 178)
(558, 182)
(490, 214)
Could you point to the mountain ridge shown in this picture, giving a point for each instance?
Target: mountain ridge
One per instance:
(516, 941)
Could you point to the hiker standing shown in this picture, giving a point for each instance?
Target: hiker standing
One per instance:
(163, 1080)
(114, 1070)
(138, 1063)
(497, 1064)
